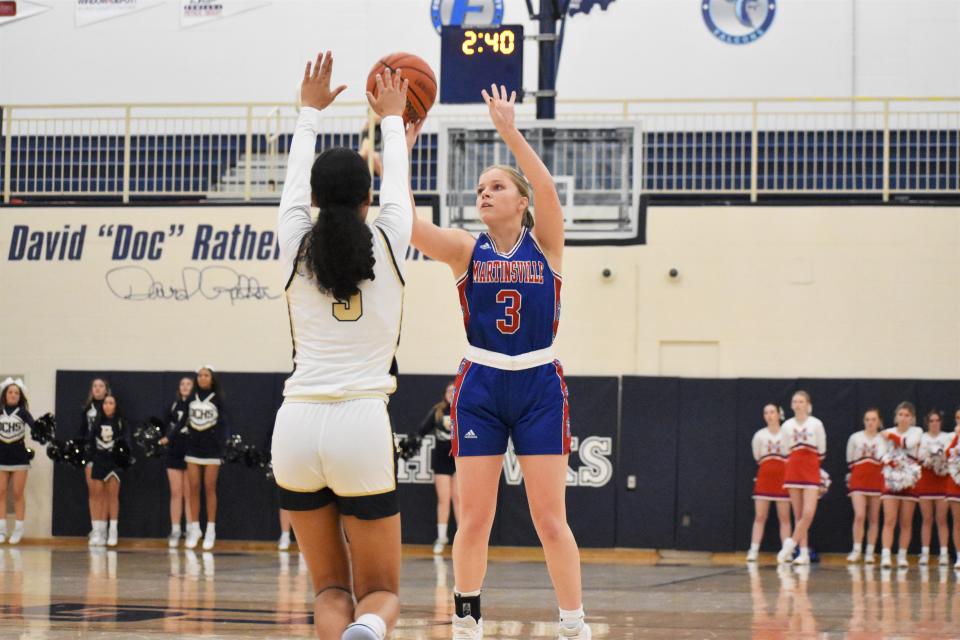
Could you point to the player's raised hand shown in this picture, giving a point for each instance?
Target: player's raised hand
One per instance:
(501, 108)
(315, 89)
(390, 98)
(413, 131)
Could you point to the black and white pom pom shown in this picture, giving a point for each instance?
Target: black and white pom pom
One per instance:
(44, 429)
(148, 437)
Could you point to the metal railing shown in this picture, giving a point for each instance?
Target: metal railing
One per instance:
(237, 151)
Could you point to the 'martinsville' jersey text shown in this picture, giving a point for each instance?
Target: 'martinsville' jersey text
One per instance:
(499, 271)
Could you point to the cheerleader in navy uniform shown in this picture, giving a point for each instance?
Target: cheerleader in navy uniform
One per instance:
(175, 440)
(865, 451)
(437, 423)
(898, 507)
(15, 419)
(208, 433)
(102, 441)
(767, 448)
(805, 442)
(510, 386)
(92, 408)
(931, 489)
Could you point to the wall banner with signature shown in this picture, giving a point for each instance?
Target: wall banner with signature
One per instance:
(223, 256)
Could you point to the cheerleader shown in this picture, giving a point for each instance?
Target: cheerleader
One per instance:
(175, 440)
(953, 489)
(102, 440)
(931, 488)
(805, 442)
(92, 409)
(865, 451)
(437, 423)
(899, 506)
(768, 487)
(207, 434)
(15, 419)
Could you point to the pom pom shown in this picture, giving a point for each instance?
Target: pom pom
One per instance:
(933, 456)
(953, 464)
(148, 437)
(122, 455)
(44, 428)
(900, 471)
(234, 449)
(407, 445)
(824, 482)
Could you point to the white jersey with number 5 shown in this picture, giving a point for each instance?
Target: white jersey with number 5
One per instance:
(344, 349)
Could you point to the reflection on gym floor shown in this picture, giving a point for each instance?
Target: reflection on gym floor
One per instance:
(60, 593)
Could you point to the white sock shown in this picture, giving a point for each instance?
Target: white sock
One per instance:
(100, 525)
(755, 546)
(3, 526)
(572, 617)
(175, 530)
(211, 528)
(804, 551)
(870, 549)
(944, 551)
(375, 622)
(193, 526)
(902, 553)
(885, 551)
(924, 551)
(113, 525)
(285, 535)
(18, 525)
(442, 531)
(856, 549)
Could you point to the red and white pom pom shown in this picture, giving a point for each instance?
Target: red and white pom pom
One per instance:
(824, 482)
(953, 464)
(900, 471)
(934, 458)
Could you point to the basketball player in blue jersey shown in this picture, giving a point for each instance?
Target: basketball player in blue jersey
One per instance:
(509, 385)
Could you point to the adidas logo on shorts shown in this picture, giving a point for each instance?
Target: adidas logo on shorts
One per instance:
(470, 435)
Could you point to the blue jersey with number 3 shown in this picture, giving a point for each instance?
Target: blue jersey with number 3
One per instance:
(510, 301)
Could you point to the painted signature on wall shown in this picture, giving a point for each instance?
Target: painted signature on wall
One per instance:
(210, 283)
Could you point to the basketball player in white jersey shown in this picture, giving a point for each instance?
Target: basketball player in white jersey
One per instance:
(333, 451)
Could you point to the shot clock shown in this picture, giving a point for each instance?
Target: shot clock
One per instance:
(471, 59)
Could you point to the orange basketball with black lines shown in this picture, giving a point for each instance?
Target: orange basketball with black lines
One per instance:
(422, 91)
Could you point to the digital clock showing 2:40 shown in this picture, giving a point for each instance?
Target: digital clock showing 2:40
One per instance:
(471, 59)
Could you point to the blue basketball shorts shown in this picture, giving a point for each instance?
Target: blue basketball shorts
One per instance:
(491, 406)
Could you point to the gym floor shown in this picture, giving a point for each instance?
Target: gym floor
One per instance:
(68, 591)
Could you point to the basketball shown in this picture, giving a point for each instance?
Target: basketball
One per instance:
(423, 83)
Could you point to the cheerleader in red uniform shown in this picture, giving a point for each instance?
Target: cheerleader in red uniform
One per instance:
(865, 451)
(899, 506)
(953, 489)
(805, 441)
(768, 487)
(931, 489)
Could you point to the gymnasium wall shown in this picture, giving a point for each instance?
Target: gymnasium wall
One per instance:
(831, 292)
(649, 49)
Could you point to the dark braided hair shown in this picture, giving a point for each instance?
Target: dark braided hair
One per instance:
(339, 249)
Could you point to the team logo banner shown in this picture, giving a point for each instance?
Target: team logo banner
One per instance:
(466, 13)
(12, 10)
(92, 11)
(197, 12)
(738, 21)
